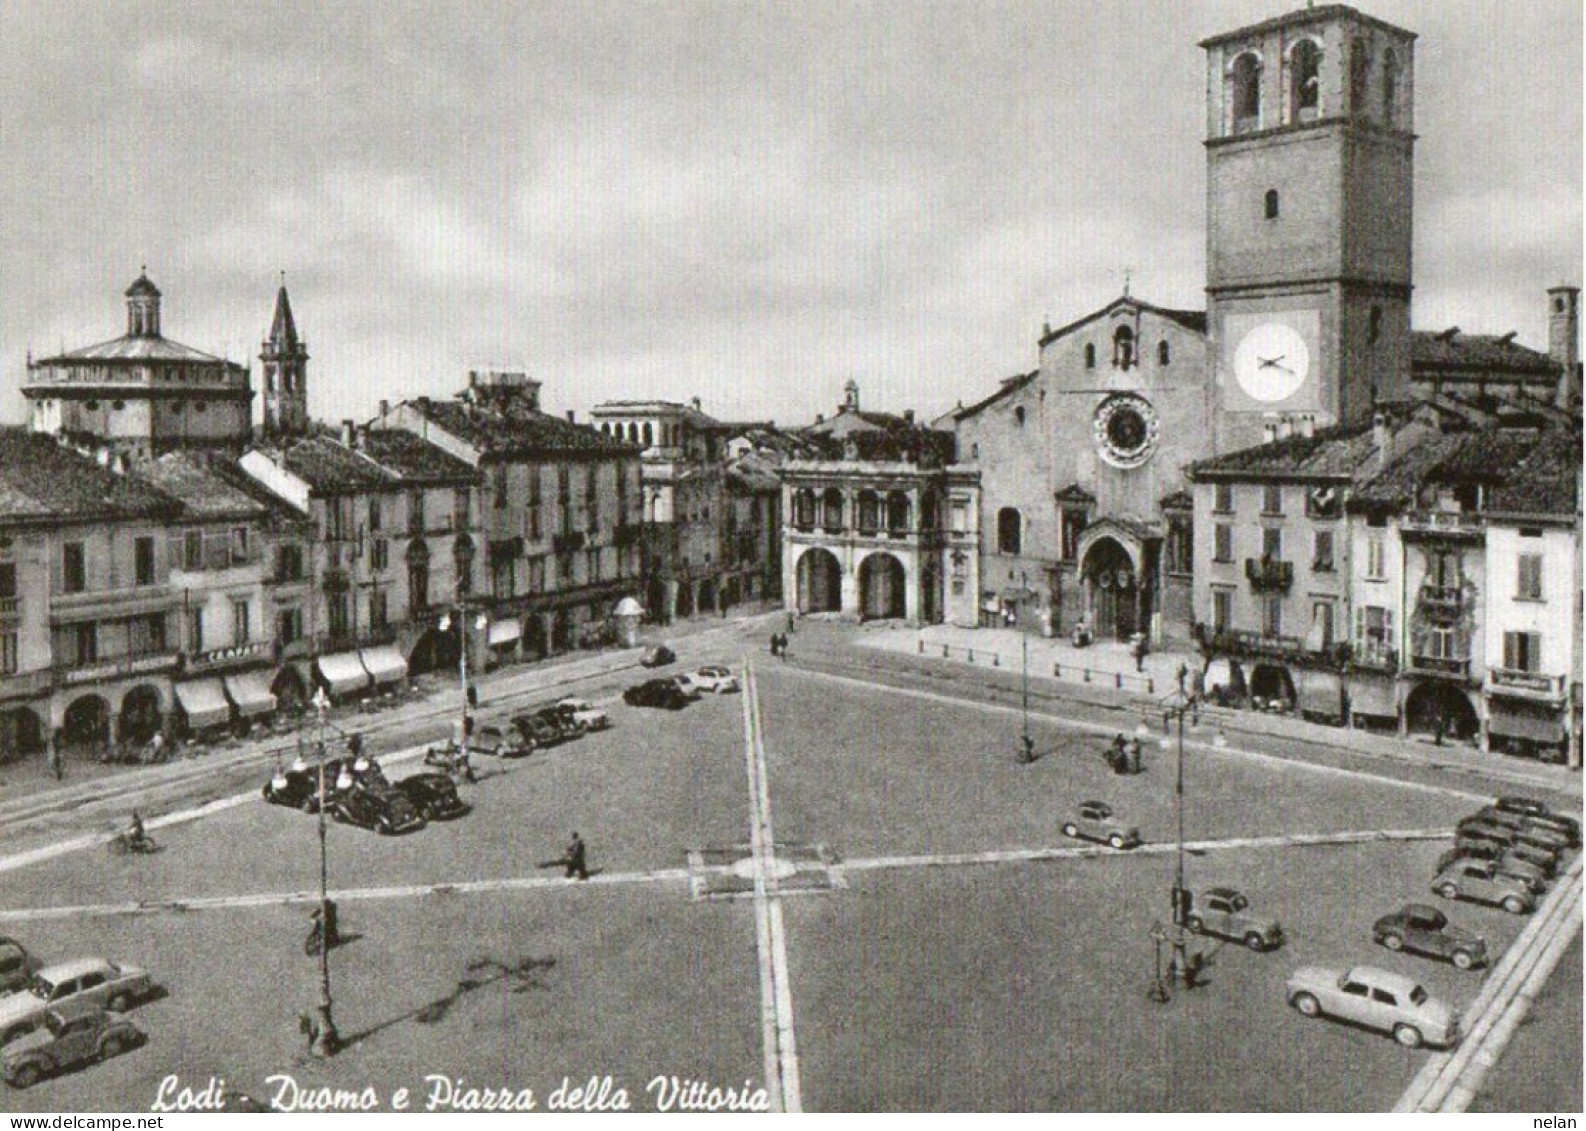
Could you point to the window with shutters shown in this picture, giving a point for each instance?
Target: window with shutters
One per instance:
(1522, 651)
(1529, 586)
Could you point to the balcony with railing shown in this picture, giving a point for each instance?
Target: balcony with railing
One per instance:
(1463, 525)
(1448, 667)
(1373, 656)
(1525, 684)
(1269, 574)
(122, 601)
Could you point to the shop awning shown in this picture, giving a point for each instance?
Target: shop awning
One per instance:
(1373, 697)
(1535, 728)
(1221, 674)
(506, 631)
(342, 673)
(250, 691)
(1319, 694)
(204, 702)
(385, 664)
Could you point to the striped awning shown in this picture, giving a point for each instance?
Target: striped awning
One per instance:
(204, 703)
(342, 673)
(385, 664)
(250, 691)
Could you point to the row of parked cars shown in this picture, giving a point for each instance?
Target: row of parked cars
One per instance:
(1504, 854)
(56, 1016)
(673, 693)
(357, 792)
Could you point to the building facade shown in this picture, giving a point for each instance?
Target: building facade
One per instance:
(560, 511)
(141, 393)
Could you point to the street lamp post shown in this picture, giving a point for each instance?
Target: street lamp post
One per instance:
(462, 611)
(1176, 710)
(1026, 743)
(325, 1038)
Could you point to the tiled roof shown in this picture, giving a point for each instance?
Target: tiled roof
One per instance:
(279, 514)
(330, 468)
(1546, 482)
(1329, 453)
(1489, 456)
(41, 480)
(137, 349)
(414, 458)
(753, 472)
(202, 493)
(1450, 355)
(1008, 386)
(518, 430)
(847, 422)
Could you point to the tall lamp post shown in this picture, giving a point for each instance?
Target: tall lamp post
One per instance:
(325, 1038)
(1175, 709)
(462, 611)
(1026, 743)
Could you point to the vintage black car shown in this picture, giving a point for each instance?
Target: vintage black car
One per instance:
(384, 809)
(298, 787)
(656, 693)
(17, 966)
(434, 796)
(658, 656)
(542, 728)
(1539, 813)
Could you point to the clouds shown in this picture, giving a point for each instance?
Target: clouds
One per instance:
(748, 202)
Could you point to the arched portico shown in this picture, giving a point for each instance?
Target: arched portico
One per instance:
(141, 717)
(820, 581)
(883, 588)
(85, 728)
(1117, 567)
(21, 733)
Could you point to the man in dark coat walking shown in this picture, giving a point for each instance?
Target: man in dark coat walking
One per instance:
(577, 862)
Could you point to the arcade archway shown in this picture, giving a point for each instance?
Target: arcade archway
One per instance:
(882, 581)
(820, 582)
(140, 714)
(21, 734)
(1434, 707)
(86, 725)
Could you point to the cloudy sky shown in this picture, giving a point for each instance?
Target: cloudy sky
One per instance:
(746, 202)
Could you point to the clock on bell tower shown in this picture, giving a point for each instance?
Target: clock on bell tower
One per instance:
(1308, 220)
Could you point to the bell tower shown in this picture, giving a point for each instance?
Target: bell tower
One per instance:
(1309, 149)
(285, 358)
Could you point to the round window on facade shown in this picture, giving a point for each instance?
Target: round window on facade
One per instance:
(1126, 429)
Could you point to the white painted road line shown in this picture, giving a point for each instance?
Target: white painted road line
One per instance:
(1099, 728)
(682, 875)
(776, 989)
(1448, 1081)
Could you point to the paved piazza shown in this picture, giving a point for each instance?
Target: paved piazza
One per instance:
(846, 894)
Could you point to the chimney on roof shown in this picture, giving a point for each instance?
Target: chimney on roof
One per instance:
(570, 419)
(1563, 340)
(1308, 425)
(908, 416)
(1382, 435)
(1449, 334)
(385, 407)
(695, 402)
(820, 418)
(1507, 339)
(348, 433)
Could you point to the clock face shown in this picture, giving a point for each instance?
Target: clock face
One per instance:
(1271, 362)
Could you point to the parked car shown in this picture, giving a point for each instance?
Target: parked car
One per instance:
(95, 981)
(69, 1035)
(1541, 814)
(1225, 912)
(17, 966)
(1508, 863)
(1480, 880)
(686, 684)
(564, 719)
(1378, 999)
(1095, 822)
(1526, 829)
(536, 732)
(386, 810)
(716, 680)
(298, 787)
(498, 742)
(434, 796)
(656, 693)
(658, 656)
(1471, 830)
(1426, 930)
(585, 713)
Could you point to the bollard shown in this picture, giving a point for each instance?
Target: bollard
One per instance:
(922, 647)
(1087, 675)
(996, 660)
(1150, 686)
(971, 652)
(944, 651)
(1118, 680)
(1057, 671)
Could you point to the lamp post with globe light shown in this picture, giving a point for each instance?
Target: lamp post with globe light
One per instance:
(1177, 708)
(480, 624)
(325, 1038)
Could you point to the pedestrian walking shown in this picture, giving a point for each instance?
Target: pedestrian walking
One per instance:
(782, 649)
(776, 644)
(577, 858)
(56, 765)
(790, 626)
